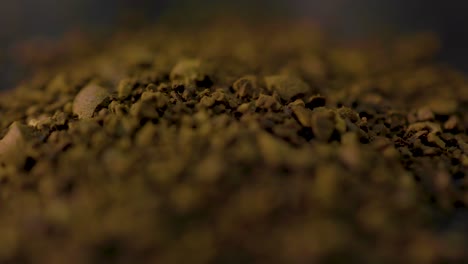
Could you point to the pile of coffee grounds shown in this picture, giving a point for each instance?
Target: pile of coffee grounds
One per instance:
(237, 144)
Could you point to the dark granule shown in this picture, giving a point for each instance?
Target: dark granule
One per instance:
(236, 144)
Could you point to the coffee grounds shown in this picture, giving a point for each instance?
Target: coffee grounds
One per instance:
(249, 145)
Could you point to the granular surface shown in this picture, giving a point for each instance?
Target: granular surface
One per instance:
(237, 144)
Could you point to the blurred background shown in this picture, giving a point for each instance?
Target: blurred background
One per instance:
(34, 25)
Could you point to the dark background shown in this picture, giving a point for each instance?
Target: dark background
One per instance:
(25, 20)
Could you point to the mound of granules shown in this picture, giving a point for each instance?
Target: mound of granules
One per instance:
(237, 144)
